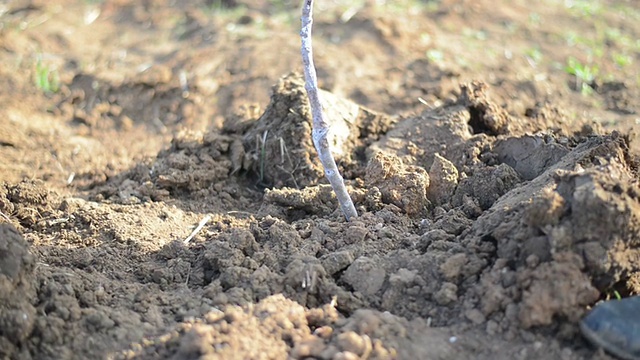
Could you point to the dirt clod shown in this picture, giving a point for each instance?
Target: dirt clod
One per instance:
(486, 116)
(401, 185)
(17, 313)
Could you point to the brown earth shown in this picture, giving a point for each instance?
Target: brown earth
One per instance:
(488, 147)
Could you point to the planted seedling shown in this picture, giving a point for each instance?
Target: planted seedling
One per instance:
(321, 126)
(46, 79)
(584, 75)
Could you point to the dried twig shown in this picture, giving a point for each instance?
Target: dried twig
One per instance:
(320, 125)
(202, 223)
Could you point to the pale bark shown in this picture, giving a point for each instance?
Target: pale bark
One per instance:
(320, 125)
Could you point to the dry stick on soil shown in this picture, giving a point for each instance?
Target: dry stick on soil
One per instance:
(195, 231)
(320, 125)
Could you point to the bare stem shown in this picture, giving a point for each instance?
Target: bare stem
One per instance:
(320, 125)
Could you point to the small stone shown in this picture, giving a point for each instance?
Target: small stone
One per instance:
(614, 326)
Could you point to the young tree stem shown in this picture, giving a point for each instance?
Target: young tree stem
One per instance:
(320, 130)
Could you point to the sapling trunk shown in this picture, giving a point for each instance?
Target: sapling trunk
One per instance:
(320, 130)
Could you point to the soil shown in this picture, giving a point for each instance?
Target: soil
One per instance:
(160, 196)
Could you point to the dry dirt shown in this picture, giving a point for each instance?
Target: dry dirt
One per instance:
(488, 146)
